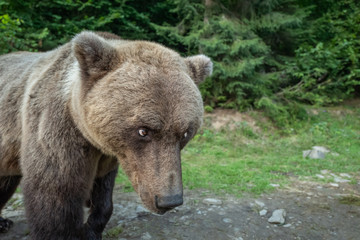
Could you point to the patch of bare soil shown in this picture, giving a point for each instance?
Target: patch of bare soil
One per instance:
(313, 211)
(221, 118)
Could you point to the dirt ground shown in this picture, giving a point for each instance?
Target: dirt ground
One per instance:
(313, 211)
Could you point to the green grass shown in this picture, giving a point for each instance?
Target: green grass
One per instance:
(243, 160)
(113, 232)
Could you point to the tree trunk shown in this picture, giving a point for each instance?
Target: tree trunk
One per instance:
(208, 6)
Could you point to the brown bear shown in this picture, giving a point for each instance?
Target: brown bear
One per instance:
(69, 116)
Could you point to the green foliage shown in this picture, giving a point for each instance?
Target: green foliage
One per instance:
(283, 114)
(237, 54)
(113, 232)
(13, 38)
(268, 54)
(208, 109)
(328, 71)
(64, 19)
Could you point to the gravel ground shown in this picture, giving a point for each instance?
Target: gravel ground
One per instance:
(313, 211)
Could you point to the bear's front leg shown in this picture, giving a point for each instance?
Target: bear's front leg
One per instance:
(5, 225)
(101, 205)
(54, 207)
(56, 185)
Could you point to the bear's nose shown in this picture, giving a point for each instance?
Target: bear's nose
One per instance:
(169, 202)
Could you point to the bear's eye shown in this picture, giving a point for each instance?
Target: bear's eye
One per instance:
(143, 132)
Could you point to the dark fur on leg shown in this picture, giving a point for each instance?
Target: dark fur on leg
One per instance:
(8, 186)
(5, 225)
(52, 218)
(101, 205)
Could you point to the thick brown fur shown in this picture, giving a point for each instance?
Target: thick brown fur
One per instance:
(69, 116)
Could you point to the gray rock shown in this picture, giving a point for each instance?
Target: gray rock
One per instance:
(278, 217)
(227, 220)
(341, 180)
(274, 185)
(321, 149)
(320, 176)
(259, 203)
(345, 175)
(146, 236)
(317, 152)
(212, 201)
(263, 212)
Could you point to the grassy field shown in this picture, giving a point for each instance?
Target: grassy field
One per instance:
(246, 159)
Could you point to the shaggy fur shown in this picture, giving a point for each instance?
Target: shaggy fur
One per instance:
(69, 116)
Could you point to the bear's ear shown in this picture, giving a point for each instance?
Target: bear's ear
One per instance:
(199, 67)
(95, 56)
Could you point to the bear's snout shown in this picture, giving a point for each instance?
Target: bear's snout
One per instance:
(166, 203)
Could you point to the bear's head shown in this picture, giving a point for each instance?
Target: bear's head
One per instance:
(139, 101)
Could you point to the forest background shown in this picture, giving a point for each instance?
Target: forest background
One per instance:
(272, 55)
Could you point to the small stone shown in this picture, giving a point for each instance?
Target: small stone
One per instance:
(146, 236)
(227, 220)
(345, 175)
(274, 185)
(260, 204)
(212, 201)
(222, 213)
(287, 225)
(334, 175)
(183, 218)
(334, 184)
(278, 217)
(263, 212)
(321, 149)
(320, 176)
(325, 171)
(341, 180)
(315, 154)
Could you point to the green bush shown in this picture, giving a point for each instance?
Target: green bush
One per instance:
(329, 71)
(272, 55)
(13, 37)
